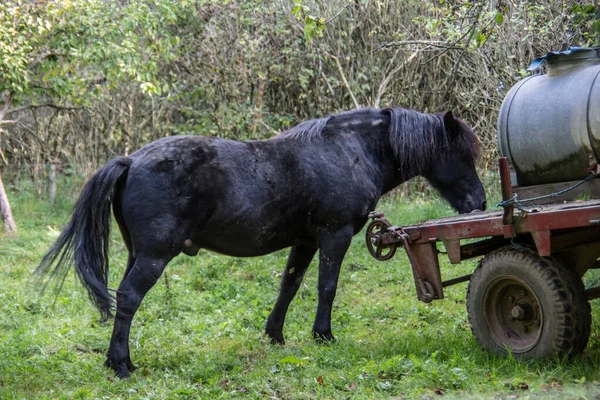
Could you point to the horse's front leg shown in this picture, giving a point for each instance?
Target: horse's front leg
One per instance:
(332, 248)
(298, 261)
(131, 292)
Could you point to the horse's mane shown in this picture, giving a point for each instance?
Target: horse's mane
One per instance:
(308, 130)
(419, 138)
(416, 138)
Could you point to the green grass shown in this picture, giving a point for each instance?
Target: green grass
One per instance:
(198, 333)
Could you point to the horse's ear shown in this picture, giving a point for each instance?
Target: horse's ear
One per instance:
(450, 124)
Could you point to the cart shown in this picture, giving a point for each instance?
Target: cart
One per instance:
(526, 296)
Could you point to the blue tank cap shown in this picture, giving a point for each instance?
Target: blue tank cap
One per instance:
(537, 63)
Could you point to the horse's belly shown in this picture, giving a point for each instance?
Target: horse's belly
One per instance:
(240, 246)
(245, 241)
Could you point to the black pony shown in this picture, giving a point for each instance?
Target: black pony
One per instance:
(309, 188)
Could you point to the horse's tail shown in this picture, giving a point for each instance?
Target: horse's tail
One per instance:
(84, 240)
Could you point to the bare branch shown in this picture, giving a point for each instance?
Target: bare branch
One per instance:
(3, 158)
(386, 80)
(34, 106)
(269, 127)
(327, 83)
(433, 43)
(324, 76)
(471, 33)
(341, 70)
(338, 13)
(6, 106)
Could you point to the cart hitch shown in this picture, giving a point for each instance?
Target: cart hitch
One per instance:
(382, 241)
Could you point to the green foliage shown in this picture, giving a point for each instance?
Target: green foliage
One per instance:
(247, 69)
(499, 18)
(69, 50)
(587, 15)
(464, 23)
(313, 26)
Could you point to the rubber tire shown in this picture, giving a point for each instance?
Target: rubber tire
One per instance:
(565, 311)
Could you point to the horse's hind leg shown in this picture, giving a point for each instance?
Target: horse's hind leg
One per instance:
(140, 278)
(332, 249)
(130, 264)
(118, 213)
(298, 261)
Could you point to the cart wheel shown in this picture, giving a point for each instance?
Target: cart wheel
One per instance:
(530, 306)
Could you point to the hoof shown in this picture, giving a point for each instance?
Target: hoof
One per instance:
(122, 370)
(279, 342)
(276, 338)
(130, 366)
(123, 375)
(324, 338)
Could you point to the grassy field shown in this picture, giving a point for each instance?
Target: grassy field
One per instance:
(199, 333)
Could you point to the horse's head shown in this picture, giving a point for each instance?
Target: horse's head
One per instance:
(453, 174)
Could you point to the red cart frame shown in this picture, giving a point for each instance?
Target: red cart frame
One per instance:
(568, 232)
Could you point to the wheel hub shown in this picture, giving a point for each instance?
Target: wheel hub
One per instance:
(519, 312)
(512, 311)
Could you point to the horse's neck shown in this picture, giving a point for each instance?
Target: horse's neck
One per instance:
(384, 167)
(411, 162)
(414, 153)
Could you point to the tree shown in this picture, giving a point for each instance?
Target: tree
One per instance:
(62, 53)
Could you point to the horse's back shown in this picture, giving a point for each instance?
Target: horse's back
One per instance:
(211, 191)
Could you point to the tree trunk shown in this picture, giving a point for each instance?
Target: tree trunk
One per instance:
(7, 217)
(52, 181)
(5, 212)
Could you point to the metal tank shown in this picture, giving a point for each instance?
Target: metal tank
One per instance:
(549, 123)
